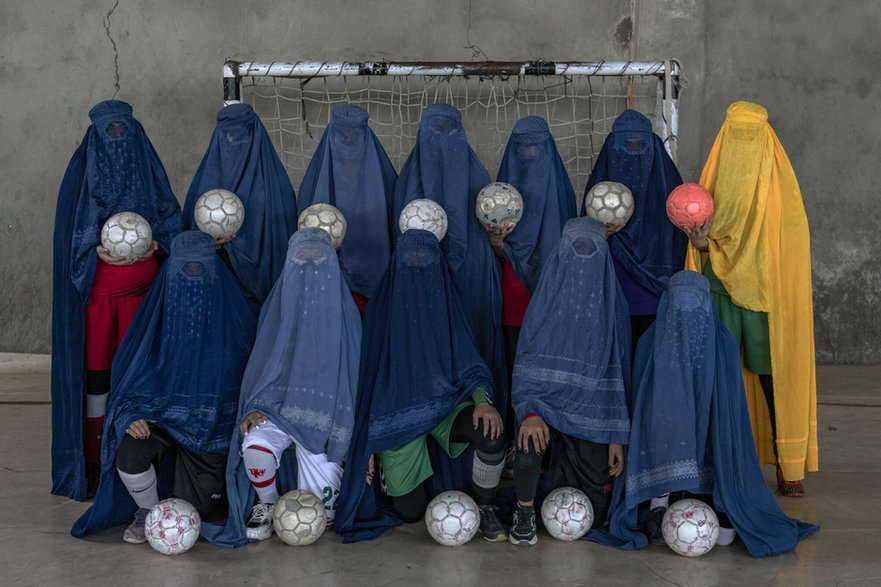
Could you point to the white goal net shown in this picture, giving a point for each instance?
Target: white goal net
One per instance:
(580, 101)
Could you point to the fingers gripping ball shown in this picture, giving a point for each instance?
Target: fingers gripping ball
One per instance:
(424, 214)
(172, 526)
(220, 213)
(610, 202)
(689, 205)
(452, 518)
(567, 513)
(499, 203)
(299, 518)
(126, 234)
(690, 527)
(327, 218)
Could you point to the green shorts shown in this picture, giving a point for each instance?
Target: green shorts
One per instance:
(748, 327)
(405, 467)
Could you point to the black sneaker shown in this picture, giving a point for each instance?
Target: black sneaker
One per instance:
(653, 526)
(523, 527)
(490, 527)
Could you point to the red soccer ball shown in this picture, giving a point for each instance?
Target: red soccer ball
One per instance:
(689, 205)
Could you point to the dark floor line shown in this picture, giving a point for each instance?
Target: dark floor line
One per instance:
(24, 403)
(847, 405)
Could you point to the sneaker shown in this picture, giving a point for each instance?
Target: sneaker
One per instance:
(259, 525)
(789, 488)
(490, 527)
(523, 526)
(653, 526)
(136, 533)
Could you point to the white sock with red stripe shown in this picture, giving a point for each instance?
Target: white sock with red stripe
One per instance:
(260, 465)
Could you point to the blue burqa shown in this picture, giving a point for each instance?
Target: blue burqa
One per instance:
(180, 365)
(351, 171)
(303, 371)
(443, 167)
(573, 355)
(419, 360)
(242, 159)
(533, 165)
(649, 249)
(115, 169)
(691, 428)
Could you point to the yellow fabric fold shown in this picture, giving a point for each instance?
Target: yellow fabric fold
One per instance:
(760, 249)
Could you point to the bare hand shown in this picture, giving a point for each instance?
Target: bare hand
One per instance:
(492, 421)
(497, 234)
(105, 256)
(613, 228)
(222, 240)
(154, 246)
(616, 459)
(139, 429)
(252, 420)
(698, 235)
(370, 469)
(536, 429)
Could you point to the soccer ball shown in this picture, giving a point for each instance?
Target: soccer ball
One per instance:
(220, 213)
(452, 518)
(499, 203)
(689, 205)
(567, 513)
(610, 202)
(690, 527)
(299, 518)
(126, 234)
(172, 526)
(326, 217)
(424, 214)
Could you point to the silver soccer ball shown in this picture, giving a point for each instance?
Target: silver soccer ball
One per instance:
(499, 203)
(299, 518)
(424, 214)
(126, 234)
(567, 513)
(610, 202)
(326, 217)
(690, 527)
(452, 518)
(219, 212)
(172, 526)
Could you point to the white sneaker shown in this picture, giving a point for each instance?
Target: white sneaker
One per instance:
(259, 525)
(136, 533)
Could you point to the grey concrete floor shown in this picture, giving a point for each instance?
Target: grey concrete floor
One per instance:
(37, 549)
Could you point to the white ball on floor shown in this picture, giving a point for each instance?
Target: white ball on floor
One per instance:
(172, 526)
(299, 518)
(690, 527)
(452, 518)
(567, 513)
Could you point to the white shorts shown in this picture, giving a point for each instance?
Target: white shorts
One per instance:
(314, 472)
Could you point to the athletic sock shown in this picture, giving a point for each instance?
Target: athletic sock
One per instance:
(97, 392)
(141, 486)
(662, 501)
(260, 465)
(486, 473)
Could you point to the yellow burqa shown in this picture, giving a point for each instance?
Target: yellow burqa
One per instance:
(760, 249)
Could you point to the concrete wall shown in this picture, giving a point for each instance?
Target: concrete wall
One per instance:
(58, 59)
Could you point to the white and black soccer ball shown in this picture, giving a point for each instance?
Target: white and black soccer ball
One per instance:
(499, 203)
(126, 234)
(610, 202)
(452, 518)
(567, 513)
(424, 214)
(326, 217)
(299, 518)
(219, 212)
(690, 527)
(172, 526)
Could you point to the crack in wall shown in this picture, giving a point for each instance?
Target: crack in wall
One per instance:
(115, 49)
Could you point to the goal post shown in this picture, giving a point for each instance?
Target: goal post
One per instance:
(579, 100)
